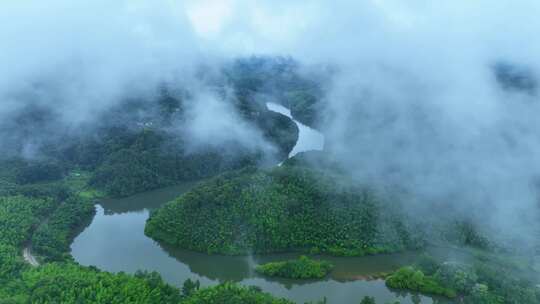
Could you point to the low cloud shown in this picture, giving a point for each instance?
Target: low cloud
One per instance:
(212, 121)
(413, 102)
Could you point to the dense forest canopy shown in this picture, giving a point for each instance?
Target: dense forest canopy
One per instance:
(310, 203)
(141, 145)
(431, 140)
(48, 193)
(285, 209)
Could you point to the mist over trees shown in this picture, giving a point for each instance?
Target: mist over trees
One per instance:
(429, 112)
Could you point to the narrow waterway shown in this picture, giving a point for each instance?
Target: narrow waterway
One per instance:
(308, 138)
(115, 241)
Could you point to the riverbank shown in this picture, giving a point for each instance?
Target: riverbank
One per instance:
(118, 228)
(115, 242)
(308, 139)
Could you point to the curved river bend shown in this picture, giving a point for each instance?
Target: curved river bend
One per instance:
(115, 241)
(308, 138)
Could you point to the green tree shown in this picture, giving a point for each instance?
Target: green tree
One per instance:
(368, 300)
(189, 287)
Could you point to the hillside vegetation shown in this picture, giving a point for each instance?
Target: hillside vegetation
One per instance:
(301, 268)
(142, 143)
(48, 214)
(283, 209)
(481, 279)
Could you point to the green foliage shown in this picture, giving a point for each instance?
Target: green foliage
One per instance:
(459, 277)
(139, 144)
(465, 233)
(302, 268)
(283, 209)
(279, 77)
(56, 191)
(489, 280)
(21, 171)
(52, 225)
(427, 264)
(190, 287)
(368, 300)
(415, 280)
(19, 215)
(11, 263)
(304, 105)
(480, 295)
(69, 283)
(504, 282)
(53, 238)
(7, 187)
(315, 159)
(280, 130)
(229, 293)
(151, 159)
(46, 214)
(38, 171)
(128, 171)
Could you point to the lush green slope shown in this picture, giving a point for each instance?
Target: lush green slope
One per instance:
(48, 214)
(416, 280)
(70, 283)
(150, 158)
(52, 239)
(301, 268)
(232, 294)
(140, 144)
(283, 209)
(11, 264)
(281, 78)
(289, 208)
(19, 215)
(50, 224)
(481, 278)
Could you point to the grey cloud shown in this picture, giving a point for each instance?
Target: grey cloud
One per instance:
(413, 102)
(78, 60)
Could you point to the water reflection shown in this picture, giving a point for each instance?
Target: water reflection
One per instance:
(146, 200)
(115, 241)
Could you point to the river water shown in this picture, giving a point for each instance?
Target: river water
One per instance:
(115, 241)
(308, 138)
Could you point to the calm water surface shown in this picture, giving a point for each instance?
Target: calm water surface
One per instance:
(115, 241)
(308, 138)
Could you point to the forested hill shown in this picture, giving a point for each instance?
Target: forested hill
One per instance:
(283, 209)
(286, 82)
(141, 144)
(50, 178)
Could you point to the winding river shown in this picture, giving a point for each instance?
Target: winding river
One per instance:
(115, 242)
(308, 138)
